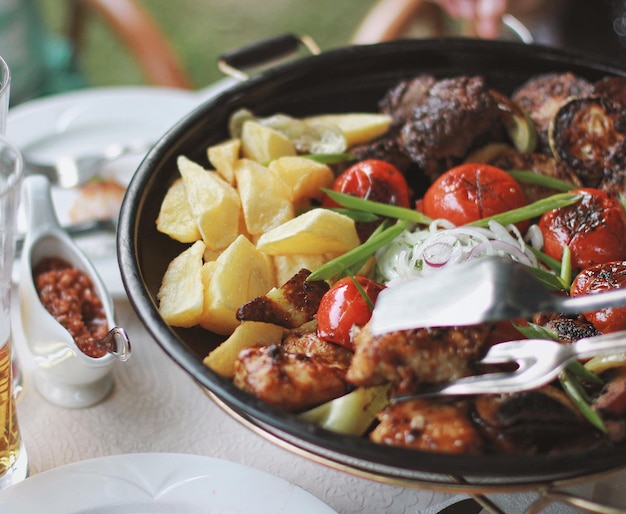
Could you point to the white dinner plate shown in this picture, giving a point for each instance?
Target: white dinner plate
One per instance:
(81, 122)
(160, 483)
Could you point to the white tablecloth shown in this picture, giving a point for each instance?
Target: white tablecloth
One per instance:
(157, 407)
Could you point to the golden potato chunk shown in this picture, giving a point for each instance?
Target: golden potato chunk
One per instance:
(249, 333)
(181, 294)
(240, 274)
(304, 177)
(264, 144)
(223, 157)
(286, 266)
(265, 198)
(175, 217)
(215, 204)
(357, 127)
(317, 231)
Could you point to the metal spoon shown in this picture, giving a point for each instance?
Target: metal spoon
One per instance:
(71, 171)
(487, 289)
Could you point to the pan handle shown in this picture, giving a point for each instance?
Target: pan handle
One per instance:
(233, 62)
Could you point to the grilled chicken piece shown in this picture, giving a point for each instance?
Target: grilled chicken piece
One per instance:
(408, 358)
(289, 381)
(541, 97)
(507, 158)
(429, 426)
(589, 134)
(290, 306)
(307, 342)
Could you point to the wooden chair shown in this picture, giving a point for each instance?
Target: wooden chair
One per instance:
(139, 33)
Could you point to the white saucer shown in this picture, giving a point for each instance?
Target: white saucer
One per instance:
(157, 483)
(82, 122)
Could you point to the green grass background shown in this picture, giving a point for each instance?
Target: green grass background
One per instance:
(201, 30)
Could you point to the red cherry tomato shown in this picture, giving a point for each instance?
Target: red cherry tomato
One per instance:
(599, 278)
(374, 180)
(594, 229)
(470, 192)
(343, 306)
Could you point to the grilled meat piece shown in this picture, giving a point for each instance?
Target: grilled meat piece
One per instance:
(613, 88)
(401, 99)
(456, 115)
(428, 426)
(541, 97)
(289, 381)
(538, 421)
(614, 183)
(290, 305)
(408, 358)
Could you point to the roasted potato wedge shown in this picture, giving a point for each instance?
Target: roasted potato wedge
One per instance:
(265, 197)
(317, 231)
(264, 144)
(290, 305)
(181, 294)
(304, 177)
(249, 333)
(215, 204)
(223, 157)
(286, 266)
(240, 274)
(175, 217)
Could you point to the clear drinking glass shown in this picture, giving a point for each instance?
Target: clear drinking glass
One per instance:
(13, 457)
(5, 87)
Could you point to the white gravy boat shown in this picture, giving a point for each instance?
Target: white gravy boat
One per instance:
(64, 374)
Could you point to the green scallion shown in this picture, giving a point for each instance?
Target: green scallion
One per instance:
(382, 209)
(537, 179)
(530, 211)
(353, 260)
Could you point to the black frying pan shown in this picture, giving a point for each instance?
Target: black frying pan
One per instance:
(342, 80)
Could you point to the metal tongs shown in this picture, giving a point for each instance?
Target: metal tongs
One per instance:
(487, 289)
(539, 362)
(491, 289)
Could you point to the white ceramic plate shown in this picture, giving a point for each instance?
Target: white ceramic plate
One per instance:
(82, 122)
(157, 483)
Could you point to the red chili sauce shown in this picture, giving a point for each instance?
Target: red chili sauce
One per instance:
(69, 295)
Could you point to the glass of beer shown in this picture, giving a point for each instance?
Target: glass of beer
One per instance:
(13, 457)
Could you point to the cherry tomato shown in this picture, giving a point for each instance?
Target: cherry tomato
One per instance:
(343, 306)
(594, 229)
(470, 192)
(599, 278)
(375, 180)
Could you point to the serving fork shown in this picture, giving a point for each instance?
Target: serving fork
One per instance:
(539, 361)
(70, 171)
